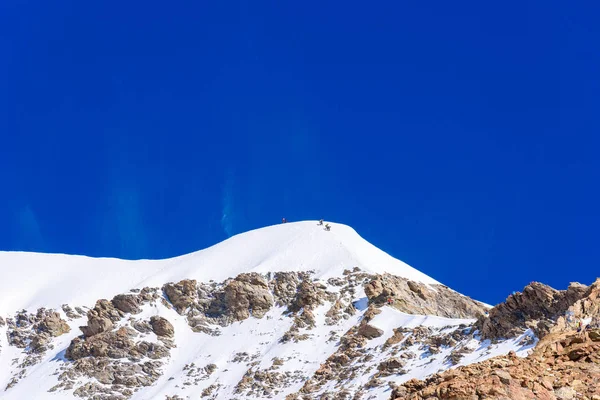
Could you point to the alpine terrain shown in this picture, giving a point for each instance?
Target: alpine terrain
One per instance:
(293, 311)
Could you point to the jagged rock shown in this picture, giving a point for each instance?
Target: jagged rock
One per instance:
(565, 393)
(536, 308)
(284, 286)
(182, 295)
(53, 324)
(116, 345)
(391, 365)
(247, 294)
(504, 376)
(162, 327)
(101, 318)
(550, 372)
(369, 331)
(141, 326)
(128, 303)
(309, 295)
(418, 298)
(2, 323)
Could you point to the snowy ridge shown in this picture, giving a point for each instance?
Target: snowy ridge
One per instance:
(298, 347)
(55, 279)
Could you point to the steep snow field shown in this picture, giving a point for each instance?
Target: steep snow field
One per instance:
(32, 280)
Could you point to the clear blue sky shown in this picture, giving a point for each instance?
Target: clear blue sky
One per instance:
(461, 137)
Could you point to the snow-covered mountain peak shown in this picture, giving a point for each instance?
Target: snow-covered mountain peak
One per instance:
(55, 279)
(291, 311)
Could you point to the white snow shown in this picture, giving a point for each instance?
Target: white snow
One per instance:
(32, 280)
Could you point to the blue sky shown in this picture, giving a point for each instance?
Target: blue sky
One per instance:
(460, 137)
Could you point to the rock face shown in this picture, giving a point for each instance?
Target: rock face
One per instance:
(418, 298)
(162, 327)
(182, 295)
(246, 295)
(116, 345)
(563, 366)
(127, 303)
(101, 318)
(537, 307)
(369, 331)
(364, 346)
(53, 324)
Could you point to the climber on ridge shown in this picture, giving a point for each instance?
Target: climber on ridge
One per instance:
(327, 227)
(283, 220)
(320, 222)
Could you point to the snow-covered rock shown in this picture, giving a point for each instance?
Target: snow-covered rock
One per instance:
(288, 311)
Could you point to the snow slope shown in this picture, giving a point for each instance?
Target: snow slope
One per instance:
(32, 280)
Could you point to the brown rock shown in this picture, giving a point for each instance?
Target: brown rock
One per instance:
(162, 327)
(417, 298)
(53, 324)
(246, 295)
(128, 303)
(101, 318)
(182, 295)
(565, 393)
(369, 331)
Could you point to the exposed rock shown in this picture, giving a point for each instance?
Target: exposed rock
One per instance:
(162, 327)
(141, 326)
(284, 286)
(309, 295)
(565, 393)
(369, 331)
(101, 318)
(418, 298)
(53, 324)
(397, 337)
(182, 295)
(127, 303)
(247, 294)
(550, 372)
(2, 323)
(537, 307)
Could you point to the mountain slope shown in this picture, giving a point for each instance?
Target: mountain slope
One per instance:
(55, 279)
(289, 311)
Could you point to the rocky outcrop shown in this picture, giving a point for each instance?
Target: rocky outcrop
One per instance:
(565, 366)
(418, 298)
(538, 307)
(284, 286)
(182, 295)
(35, 330)
(53, 324)
(587, 306)
(162, 327)
(246, 295)
(127, 303)
(309, 295)
(116, 345)
(101, 318)
(369, 331)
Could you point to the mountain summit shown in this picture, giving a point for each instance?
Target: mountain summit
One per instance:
(291, 311)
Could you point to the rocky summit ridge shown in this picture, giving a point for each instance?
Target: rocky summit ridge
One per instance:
(284, 312)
